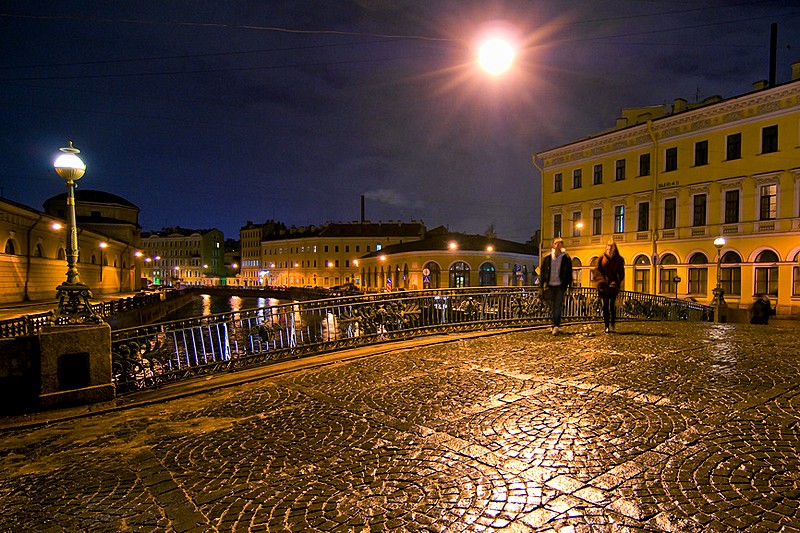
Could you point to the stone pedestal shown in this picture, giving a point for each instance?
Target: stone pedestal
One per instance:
(75, 365)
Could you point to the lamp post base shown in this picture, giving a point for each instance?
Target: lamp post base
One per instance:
(73, 306)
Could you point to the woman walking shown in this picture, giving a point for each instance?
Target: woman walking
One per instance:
(608, 274)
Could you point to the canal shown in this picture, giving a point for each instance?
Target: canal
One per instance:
(205, 304)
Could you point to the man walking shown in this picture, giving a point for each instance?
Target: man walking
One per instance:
(556, 279)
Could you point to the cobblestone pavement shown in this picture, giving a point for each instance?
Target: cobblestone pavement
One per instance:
(662, 427)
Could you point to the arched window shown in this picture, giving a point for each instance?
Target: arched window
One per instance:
(730, 275)
(667, 274)
(487, 276)
(576, 272)
(767, 276)
(405, 276)
(62, 255)
(459, 274)
(698, 275)
(10, 248)
(38, 251)
(796, 276)
(398, 282)
(641, 273)
(431, 274)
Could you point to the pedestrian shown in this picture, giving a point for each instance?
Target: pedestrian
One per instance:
(608, 275)
(556, 279)
(761, 310)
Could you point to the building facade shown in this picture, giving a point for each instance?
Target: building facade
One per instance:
(319, 256)
(184, 257)
(444, 259)
(665, 183)
(33, 255)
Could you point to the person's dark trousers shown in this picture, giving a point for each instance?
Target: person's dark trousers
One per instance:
(609, 309)
(558, 303)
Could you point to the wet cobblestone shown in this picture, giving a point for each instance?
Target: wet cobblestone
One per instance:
(663, 427)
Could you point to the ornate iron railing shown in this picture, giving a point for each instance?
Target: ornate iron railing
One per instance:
(33, 323)
(150, 356)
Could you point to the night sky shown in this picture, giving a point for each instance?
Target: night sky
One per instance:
(212, 113)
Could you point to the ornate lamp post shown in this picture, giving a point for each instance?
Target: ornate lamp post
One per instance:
(720, 307)
(73, 296)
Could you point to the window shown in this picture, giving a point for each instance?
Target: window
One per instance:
(734, 146)
(698, 275)
(431, 280)
(769, 202)
(487, 277)
(667, 275)
(769, 139)
(671, 159)
(326, 247)
(619, 219)
(557, 182)
(699, 210)
(459, 274)
(641, 274)
(576, 272)
(619, 170)
(347, 248)
(700, 153)
(644, 217)
(577, 178)
(10, 249)
(730, 276)
(732, 207)
(644, 165)
(557, 225)
(336, 248)
(597, 176)
(597, 221)
(576, 224)
(767, 276)
(796, 277)
(670, 212)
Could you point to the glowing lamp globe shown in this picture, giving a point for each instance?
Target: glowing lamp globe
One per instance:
(495, 56)
(68, 165)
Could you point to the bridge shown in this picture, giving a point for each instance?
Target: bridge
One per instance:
(153, 355)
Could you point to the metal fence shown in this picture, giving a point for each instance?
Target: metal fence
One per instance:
(150, 356)
(33, 323)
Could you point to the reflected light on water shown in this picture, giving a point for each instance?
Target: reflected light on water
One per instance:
(206, 301)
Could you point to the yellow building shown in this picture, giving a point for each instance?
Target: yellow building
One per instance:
(666, 182)
(184, 257)
(443, 259)
(33, 248)
(325, 256)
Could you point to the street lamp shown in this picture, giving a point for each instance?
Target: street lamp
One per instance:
(73, 296)
(720, 307)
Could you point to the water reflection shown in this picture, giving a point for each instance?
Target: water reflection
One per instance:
(206, 304)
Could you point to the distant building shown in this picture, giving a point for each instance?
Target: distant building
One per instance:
(317, 256)
(445, 259)
(665, 182)
(184, 257)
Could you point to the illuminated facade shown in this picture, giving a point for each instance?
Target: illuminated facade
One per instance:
(666, 182)
(33, 254)
(317, 256)
(184, 257)
(444, 259)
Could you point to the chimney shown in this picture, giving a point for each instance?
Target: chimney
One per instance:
(796, 71)
(773, 52)
(362, 208)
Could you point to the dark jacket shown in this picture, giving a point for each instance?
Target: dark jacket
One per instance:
(564, 273)
(609, 273)
(761, 311)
